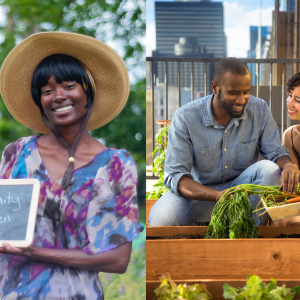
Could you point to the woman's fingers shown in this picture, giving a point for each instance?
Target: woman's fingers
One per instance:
(9, 249)
(289, 179)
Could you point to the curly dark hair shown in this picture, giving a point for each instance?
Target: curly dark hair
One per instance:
(293, 82)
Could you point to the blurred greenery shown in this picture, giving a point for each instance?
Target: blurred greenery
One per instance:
(115, 21)
(121, 24)
(132, 284)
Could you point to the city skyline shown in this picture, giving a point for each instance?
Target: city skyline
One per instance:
(238, 17)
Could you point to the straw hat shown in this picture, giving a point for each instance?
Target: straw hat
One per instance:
(106, 66)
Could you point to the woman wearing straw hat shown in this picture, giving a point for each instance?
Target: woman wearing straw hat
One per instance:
(64, 85)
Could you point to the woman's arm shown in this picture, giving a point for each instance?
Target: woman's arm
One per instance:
(112, 261)
(287, 143)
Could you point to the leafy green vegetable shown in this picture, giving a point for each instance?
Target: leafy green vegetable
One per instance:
(159, 153)
(159, 156)
(257, 290)
(232, 215)
(158, 191)
(169, 290)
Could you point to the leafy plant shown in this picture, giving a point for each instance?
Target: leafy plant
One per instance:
(232, 215)
(159, 156)
(159, 153)
(130, 285)
(158, 191)
(258, 290)
(169, 290)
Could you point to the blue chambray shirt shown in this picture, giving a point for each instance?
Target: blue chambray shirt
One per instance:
(200, 148)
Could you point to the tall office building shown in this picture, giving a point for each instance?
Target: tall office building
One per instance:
(188, 29)
(265, 30)
(202, 20)
(289, 5)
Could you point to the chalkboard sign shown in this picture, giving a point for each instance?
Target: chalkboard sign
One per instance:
(18, 207)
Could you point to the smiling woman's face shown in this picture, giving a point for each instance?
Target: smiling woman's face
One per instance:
(293, 104)
(64, 103)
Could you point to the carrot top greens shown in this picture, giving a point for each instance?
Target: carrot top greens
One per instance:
(232, 215)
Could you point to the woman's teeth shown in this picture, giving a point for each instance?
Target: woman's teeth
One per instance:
(63, 108)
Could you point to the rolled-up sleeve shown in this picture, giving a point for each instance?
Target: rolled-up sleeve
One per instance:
(269, 140)
(179, 156)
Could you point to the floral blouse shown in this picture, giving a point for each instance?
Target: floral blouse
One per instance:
(97, 213)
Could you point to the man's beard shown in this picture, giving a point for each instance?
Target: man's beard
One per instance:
(228, 107)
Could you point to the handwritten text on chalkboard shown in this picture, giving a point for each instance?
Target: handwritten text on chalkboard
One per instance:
(14, 211)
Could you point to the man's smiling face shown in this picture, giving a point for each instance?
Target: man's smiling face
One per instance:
(233, 94)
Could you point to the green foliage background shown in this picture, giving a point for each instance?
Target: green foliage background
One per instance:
(121, 23)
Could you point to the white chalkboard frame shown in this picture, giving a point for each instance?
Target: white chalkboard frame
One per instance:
(32, 211)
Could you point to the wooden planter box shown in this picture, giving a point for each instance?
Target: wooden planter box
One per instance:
(217, 261)
(149, 204)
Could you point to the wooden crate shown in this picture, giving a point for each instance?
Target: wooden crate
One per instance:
(283, 211)
(149, 204)
(222, 260)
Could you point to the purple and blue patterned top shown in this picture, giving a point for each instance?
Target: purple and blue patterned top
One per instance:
(98, 213)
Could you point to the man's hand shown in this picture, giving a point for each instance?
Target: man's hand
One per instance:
(289, 178)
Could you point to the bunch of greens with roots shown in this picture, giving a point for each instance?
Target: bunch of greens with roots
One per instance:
(232, 215)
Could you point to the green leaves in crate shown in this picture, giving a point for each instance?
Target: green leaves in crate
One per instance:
(169, 290)
(255, 289)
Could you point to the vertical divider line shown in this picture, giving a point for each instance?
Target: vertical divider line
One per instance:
(288, 120)
(166, 91)
(271, 73)
(257, 79)
(192, 81)
(152, 108)
(282, 103)
(205, 80)
(179, 84)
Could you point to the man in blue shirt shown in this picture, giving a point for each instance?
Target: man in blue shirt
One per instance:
(214, 143)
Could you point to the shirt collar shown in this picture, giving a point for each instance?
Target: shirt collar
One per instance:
(208, 118)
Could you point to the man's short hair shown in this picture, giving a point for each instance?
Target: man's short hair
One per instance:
(232, 65)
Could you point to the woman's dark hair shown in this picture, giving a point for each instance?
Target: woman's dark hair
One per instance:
(64, 68)
(293, 82)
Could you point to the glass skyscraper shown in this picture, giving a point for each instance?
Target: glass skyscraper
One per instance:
(202, 20)
(189, 29)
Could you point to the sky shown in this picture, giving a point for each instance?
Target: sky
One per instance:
(239, 15)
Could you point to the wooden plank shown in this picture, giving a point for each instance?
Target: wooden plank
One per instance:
(272, 231)
(215, 287)
(264, 231)
(149, 204)
(216, 259)
(174, 230)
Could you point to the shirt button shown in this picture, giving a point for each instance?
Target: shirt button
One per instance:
(225, 167)
(225, 131)
(225, 149)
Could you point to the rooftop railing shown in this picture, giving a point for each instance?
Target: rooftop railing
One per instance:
(279, 70)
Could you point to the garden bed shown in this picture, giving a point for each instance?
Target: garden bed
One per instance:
(221, 260)
(215, 287)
